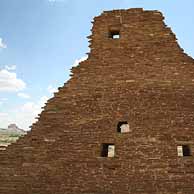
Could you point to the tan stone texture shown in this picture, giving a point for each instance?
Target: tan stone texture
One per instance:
(144, 78)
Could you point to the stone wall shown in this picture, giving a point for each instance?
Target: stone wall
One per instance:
(143, 78)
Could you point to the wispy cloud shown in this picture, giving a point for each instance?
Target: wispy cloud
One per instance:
(23, 95)
(52, 89)
(2, 44)
(77, 61)
(10, 67)
(9, 82)
(55, 1)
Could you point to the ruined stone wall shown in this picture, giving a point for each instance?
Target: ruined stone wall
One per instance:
(143, 78)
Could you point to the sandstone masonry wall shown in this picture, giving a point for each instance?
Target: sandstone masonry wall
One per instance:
(144, 78)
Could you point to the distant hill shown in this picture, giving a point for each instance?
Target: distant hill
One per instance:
(10, 135)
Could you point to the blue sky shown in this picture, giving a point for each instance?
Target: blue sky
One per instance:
(40, 40)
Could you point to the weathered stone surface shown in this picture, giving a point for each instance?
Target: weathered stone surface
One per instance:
(144, 78)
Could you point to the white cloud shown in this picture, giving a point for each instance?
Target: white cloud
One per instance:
(9, 82)
(2, 45)
(29, 111)
(10, 67)
(25, 115)
(52, 89)
(31, 107)
(3, 114)
(2, 101)
(43, 100)
(23, 95)
(77, 61)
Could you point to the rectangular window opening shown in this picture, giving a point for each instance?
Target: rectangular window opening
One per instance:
(108, 150)
(183, 150)
(123, 127)
(114, 34)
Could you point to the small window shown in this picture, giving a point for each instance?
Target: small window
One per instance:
(123, 127)
(108, 150)
(183, 150)
(115, 34)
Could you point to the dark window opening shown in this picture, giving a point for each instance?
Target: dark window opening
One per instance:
(108, 150)
(115, 34)
(123, 127)
(184, 150)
